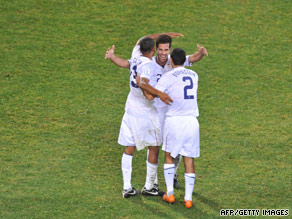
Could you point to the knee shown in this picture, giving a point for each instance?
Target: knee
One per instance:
(130, 150)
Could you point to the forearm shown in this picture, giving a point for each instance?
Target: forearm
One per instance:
(120, 61)
(148, 96)
(149, 89)
(197, 56)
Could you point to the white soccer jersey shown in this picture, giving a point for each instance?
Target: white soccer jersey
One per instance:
(181, 85)
(159, 71)
(137, 104)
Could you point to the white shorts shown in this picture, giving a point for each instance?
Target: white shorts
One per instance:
(181, 136)
(162, 114)
(140, 132)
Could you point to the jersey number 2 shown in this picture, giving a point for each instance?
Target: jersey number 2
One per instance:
(186, 96)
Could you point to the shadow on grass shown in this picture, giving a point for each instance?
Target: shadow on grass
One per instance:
(196, 196)
(212, 204)
(155, 207)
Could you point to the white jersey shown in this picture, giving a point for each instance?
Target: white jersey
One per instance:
(181, 85)
(159, 71)
(137, 104)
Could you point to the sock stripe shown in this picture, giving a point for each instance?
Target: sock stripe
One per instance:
(128, 154)
(193, 177)
(169, 168)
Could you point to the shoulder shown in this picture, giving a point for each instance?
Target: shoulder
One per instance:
(146, 63)
(193, 72)
(167, 77)
(136, 51)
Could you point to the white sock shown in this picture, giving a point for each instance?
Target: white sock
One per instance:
(177, 162)
(156, 177)
(189, 185)
(151, 173)
(127, 170)
(168, 176)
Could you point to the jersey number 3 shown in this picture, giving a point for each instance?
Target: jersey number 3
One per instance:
(134, 76)
(186, 96)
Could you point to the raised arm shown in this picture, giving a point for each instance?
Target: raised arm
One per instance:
(115, 59)
(197, 56)
(155, 36)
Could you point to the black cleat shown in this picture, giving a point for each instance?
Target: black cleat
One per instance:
(152, 192)
(175, 181)
(156, 186)
(130, 192)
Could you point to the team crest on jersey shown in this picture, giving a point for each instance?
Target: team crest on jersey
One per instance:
(147, 72)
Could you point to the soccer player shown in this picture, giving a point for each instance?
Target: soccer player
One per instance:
(162, 65)
(181, 128)
(140, 126)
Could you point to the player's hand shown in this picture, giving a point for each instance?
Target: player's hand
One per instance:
(202, 49)
(110, 52)
(165, 98)
(175, 35)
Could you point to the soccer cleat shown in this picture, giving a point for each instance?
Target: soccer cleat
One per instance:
(130, 192)
(155, 186)
(152, 192)
(188, 204)
(170, 199)
(175, 181)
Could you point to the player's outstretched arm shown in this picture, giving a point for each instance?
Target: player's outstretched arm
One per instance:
(115, 59)
(197, 56)
(155, 36)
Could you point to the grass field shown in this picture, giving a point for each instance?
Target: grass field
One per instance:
(61, 106)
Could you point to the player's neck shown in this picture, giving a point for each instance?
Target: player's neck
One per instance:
(149, 56)
(176, 66)
(162, 64)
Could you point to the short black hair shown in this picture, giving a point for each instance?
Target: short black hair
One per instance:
(178, 56)
(163, 39)
(146, 45)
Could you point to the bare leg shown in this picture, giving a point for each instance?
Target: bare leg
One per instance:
(189, 165)
(153, 154)
(130, 150)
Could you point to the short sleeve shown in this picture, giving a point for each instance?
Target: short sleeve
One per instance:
(136, 51)
(147, 70)
(187, 62)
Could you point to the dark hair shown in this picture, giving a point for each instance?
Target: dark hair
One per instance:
(163, 39)
(178, 56)
(146, 45)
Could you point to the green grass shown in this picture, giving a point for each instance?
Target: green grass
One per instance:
(61, 106)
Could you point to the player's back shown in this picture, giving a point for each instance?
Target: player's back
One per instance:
(137, 104)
